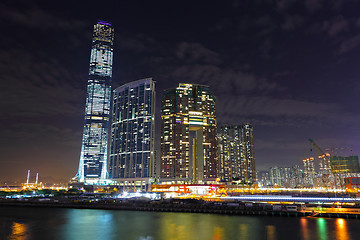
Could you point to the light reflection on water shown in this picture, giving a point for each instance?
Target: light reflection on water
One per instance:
(37, 223)
(18, 231)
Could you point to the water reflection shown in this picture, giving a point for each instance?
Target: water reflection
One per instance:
(341, 229)
(103, 224)
(89, 224)
(322, 231)
(218, 233)
(244, 231)
(270, 232)
(18, 231)
(304, 229)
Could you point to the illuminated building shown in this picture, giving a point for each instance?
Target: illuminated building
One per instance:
(264, 178)
(133, 133)
(324, 163)
(309, 171)
(325, 173)
(344, 167)
(93, 158)
(345, 164)
(229, 153)
(188, 134)
(280, 176)
(236, 153)
(276, 176)
(297, 177)
(248, 160)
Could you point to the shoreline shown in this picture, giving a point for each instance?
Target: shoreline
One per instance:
(165, 207)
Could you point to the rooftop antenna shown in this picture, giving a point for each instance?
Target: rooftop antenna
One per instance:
(37, 177)
(28, 176)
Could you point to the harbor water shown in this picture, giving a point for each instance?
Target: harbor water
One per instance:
(60, 223)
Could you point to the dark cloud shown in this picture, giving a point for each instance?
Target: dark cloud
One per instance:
(349, 44)
(313, 5)
(35, 86)
(224, 80)
(292, 21)
(33, 16)
(195, 52)
(336, 25)
(271, 63)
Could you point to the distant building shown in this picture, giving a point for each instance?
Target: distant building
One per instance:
(297, 177)
(247, 139)
(133, 133)
(309, 171)
(94, 149)
(188, 134)
(276, 177)
(286, 177)
(263, 177)
(280, 176)
(341, 164)
(324, 163)
(236, 153)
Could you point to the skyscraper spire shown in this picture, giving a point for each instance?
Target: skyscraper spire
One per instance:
(93, 158)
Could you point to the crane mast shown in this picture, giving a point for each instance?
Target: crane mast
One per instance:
(325, 165)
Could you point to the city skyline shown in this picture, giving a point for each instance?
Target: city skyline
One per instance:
(288, 68)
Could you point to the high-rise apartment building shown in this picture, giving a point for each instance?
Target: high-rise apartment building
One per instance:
(188, 134)
(263, 177)
(94, 149)
(236, 153)
(297, 177)
(309, 171)
(276, 176)
(229, 153)
(247, 139)
(133, 132)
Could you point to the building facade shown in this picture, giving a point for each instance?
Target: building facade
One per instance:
(132, 148)
(276, 176)
(188, 134)
(247, 139)
(236, 153)
(94, 149)
(297, 177)
(341, 164)
(309, 171)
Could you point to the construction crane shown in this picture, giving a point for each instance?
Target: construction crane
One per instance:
(327, 175)
(321, 153)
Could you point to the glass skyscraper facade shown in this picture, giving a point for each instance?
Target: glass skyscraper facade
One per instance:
(133, 131)
(188, 134)
(94, 150)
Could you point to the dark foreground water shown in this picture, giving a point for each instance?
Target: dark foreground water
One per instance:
(50, 223)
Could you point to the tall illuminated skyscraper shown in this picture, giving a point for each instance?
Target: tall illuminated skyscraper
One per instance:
(236, 153)
(132, 157)
(230, 153)
(248, 160)
(94, 150)
(188, 134)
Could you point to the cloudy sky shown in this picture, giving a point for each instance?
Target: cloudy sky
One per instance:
(289, 67)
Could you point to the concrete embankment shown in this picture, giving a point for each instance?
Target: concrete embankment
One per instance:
(163, 206)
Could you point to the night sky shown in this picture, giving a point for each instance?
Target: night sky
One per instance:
(291, 68)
